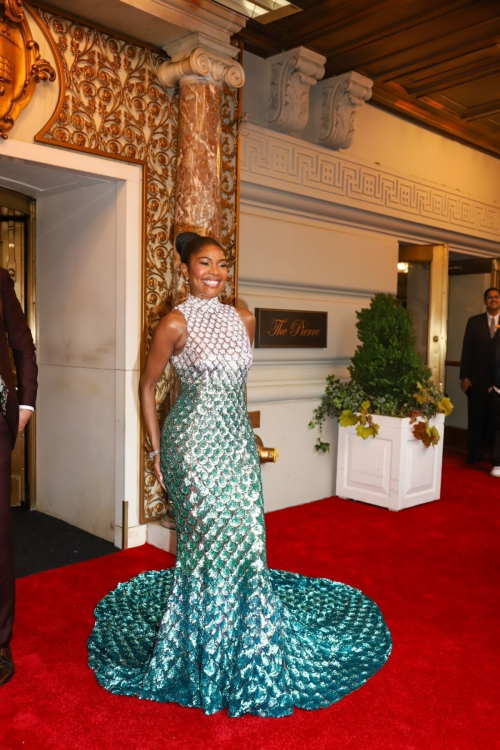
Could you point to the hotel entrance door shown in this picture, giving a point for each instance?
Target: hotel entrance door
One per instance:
(423, 290)
(17, 217)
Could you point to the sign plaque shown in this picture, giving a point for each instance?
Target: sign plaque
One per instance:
(289, 329)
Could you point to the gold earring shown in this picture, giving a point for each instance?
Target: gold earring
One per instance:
(186, 282)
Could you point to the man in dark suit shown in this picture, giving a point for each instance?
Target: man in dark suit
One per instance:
(16, 407)
(475, 373)
(495, 403)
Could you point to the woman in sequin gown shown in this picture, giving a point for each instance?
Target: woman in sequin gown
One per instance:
(221, 629)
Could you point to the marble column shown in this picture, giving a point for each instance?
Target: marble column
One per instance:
(201, 66)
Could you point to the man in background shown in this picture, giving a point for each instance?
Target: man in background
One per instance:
(475, 373)
(16, 408)
(495, 403)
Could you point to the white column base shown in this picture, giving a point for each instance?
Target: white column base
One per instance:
(161, 537)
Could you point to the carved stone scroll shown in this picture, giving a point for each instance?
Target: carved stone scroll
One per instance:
(21, 66)
(202, 65)
(337, 101)
(289, 78)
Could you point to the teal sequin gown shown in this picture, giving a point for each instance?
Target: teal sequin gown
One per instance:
(221, 629)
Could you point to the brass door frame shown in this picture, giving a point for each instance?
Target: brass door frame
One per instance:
(437, 256)
(495, 272)
(25, 204)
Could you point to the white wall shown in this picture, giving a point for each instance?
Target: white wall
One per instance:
(320, 230)
(76, 301)
(298, 262)
(88, 302)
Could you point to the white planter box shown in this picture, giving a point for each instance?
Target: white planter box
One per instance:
(393, 470)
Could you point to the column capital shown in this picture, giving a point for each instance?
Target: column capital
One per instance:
(198, 58)
(337, 100)
(289, 78)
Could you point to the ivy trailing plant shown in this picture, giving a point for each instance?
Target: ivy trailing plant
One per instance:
(388, 378)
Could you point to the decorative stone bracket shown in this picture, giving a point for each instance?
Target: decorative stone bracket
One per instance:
(198, 59)
(289, 77)
(337, 100)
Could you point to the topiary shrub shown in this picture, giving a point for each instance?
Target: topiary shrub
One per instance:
(388, 377)
(386, 362)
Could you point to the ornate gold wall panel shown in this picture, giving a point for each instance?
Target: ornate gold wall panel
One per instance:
(112, 104)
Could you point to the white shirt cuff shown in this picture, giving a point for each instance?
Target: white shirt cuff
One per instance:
(23, 406)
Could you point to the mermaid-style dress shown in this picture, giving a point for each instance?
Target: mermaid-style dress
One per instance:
(221, 629)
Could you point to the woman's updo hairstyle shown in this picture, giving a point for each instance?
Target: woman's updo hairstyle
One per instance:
(188, 244)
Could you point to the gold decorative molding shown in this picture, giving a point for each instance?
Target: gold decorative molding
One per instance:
(230, 186)
(21, 66)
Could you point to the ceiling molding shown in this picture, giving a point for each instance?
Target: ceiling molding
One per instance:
(433, 61)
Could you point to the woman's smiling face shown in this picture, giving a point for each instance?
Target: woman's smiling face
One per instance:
(207, 272)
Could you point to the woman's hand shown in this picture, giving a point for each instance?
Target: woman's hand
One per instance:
(157, 471)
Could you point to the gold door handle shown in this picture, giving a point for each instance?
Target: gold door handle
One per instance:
(266, 455)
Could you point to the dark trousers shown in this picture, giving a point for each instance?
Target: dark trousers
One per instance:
(495, 453)
(479, 428)
(7, 584)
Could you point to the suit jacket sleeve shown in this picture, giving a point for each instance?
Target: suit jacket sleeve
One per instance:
(494, 363)
(466, 361)
(21, 343)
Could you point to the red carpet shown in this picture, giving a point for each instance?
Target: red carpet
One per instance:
(432, 569)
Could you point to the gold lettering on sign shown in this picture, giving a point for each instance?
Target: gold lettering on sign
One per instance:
(299, 328)
(290, 328)
(278, 327)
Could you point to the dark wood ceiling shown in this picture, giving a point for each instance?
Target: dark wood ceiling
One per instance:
(433, 61)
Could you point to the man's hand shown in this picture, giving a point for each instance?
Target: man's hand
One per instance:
(465, 384)
(24, 418)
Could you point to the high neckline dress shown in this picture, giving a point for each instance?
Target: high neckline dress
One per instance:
(222, 630)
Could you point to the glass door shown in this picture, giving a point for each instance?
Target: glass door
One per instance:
(423, 290)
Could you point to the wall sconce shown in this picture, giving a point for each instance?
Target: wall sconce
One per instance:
(403, 267)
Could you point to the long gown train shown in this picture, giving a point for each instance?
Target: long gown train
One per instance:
(221, 629)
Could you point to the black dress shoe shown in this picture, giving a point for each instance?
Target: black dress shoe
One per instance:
(472, 461)
(7, 667)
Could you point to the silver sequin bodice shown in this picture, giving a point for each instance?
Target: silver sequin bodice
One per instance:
(217, 348)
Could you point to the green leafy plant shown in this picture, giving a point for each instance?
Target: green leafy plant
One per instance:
(388, 378)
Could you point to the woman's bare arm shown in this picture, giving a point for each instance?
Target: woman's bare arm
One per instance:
(248, 319)
(169, 338)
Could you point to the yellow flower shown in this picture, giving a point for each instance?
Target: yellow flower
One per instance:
(445, 406)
